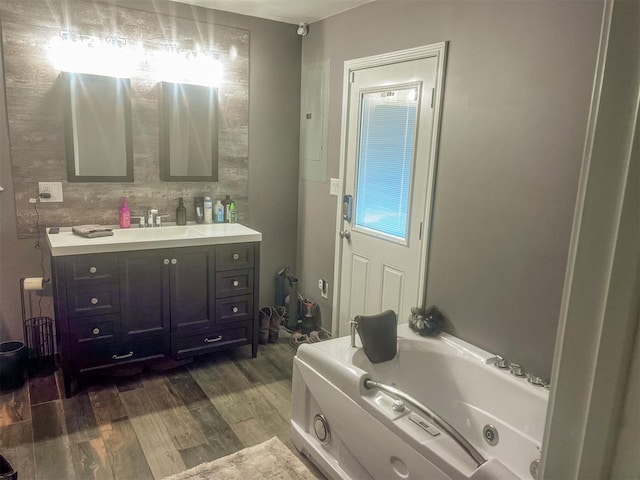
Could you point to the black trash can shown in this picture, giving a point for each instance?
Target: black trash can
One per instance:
(13, 362)
(6, 470)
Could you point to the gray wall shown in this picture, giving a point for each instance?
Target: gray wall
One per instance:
(518, 84)
(274, 85)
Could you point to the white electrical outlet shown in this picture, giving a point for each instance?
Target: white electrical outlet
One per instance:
(52, 188)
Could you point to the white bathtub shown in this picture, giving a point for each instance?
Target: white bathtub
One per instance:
(368, 439)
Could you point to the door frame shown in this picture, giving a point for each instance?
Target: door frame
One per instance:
(439, 51)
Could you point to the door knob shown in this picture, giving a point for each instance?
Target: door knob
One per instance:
(345, 234)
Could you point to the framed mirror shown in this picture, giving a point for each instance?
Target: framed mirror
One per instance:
(188, 132)
(98, 128)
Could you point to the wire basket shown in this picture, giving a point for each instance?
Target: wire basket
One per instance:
(38, 336)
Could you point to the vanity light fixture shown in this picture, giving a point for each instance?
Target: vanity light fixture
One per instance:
(193, 66)
(108, 56)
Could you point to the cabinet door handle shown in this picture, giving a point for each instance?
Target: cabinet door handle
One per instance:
(93, 270)
(95, 331)
(235, 256)
(166, 261)
(173, 261)
(213, 340)
(94, 301)
(236, 283)
(122, 357)
(234, 309)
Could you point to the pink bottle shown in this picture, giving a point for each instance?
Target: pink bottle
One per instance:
(125, 214)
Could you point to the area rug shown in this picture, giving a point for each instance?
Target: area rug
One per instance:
(269, 460)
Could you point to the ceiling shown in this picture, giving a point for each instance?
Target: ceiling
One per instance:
(288, 11)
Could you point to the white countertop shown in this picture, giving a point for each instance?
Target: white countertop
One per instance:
(170, 236)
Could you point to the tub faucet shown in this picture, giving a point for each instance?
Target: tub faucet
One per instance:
(354, 325)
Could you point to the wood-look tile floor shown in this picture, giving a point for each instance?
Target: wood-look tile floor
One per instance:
(151, 424)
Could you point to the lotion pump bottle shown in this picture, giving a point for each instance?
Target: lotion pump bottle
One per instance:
(208, 210)
(181, 213)
(125, 214)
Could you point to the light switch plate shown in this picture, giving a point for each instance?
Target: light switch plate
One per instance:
(334, 187)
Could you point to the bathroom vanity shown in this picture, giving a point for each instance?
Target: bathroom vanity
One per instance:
(155, 293)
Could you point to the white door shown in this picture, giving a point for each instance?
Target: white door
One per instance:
(389, 167)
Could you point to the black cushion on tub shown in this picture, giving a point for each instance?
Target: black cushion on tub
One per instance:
(379, 335)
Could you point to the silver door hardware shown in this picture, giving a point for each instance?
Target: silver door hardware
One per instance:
(345, 234)
(347, 207)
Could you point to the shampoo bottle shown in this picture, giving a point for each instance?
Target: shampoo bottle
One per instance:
(227, 204)
(218, 212)
(181, 213)
(199, 208)
(125, 214)
(232, 212)
(208, 210)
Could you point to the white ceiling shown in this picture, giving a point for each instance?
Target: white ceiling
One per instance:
(288, 11)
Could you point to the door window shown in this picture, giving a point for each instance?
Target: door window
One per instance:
(385, 158)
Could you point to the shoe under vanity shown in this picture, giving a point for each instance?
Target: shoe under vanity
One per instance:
(143, 295)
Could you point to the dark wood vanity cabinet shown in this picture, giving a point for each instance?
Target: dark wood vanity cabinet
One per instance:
(122, 308)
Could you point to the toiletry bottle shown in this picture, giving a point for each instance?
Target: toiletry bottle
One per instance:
(218, 212)
(199, 208)
(226, 203)
(208, 210)
(232, 212)
(181, 213)
(125, 214)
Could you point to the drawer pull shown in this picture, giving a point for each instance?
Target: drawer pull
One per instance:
(173, 261)
(213, 340)
(122, 357)
(94, 301)
(236, 256)
(236, 283)
(93, 270)
(96, 331)
(166, 261)
(234, 309)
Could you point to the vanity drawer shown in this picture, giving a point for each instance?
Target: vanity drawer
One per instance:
(93, 300)
(91, 269)
(234, 309)
(98, 329)
(209, 340)
(234, 256)
(234, 282)
(108, 355)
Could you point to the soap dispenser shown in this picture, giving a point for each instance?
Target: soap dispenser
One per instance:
(181, 213)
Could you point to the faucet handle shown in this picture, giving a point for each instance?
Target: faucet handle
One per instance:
(516, 369)
(501, 362)
(141, 220)
(159, 218)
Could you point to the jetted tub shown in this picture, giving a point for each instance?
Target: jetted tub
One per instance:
(353, 431)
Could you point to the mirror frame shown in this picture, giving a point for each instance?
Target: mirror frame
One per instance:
(70, 135)
(167, 97)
